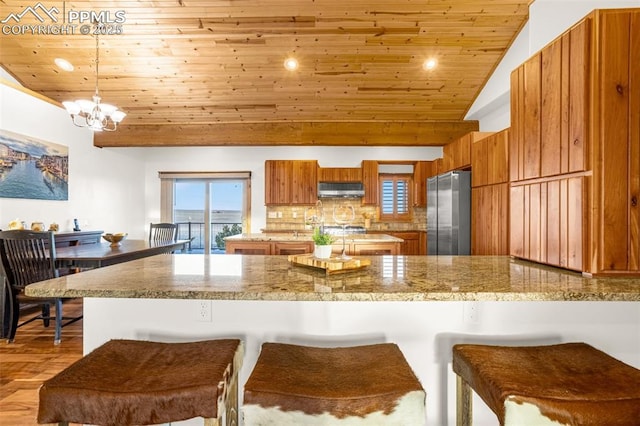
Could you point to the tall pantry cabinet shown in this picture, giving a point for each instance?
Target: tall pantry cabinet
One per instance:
(574, 151)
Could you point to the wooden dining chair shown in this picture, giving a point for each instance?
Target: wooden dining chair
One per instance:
(28, 257)
(163, 232)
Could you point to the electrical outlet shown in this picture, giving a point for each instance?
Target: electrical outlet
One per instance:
(204, 310)
(470, 312)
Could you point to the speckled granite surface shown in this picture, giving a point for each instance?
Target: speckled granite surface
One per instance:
(388, 278)
(290, 237)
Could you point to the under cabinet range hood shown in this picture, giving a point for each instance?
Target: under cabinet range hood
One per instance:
(340, 190)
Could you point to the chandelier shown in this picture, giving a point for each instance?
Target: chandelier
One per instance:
(93, 114)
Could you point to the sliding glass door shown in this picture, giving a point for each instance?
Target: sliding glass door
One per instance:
(207, 209)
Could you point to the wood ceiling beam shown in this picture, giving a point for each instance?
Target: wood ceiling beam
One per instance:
(409, 133)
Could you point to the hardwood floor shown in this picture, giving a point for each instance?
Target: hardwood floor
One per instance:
(30, 360)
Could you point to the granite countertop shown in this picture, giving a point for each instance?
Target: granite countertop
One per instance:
(388, 278)
(291, 237)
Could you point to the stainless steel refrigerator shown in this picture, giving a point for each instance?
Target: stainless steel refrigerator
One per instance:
(449, 214)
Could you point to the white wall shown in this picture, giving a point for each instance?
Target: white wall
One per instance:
(252, 159)
(547, 20)
(424, 331)
(106, 187)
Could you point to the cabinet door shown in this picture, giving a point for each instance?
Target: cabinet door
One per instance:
(516, 230)
(375, 249)
(248, 247)
(498, 158)
(292, 247)
(578, 96)
(304, 181)
(516, 137)
(370, 182)
(277, 181)
(479, 163)
(421, 171)
(634, 145)
(339, 174)
(551, 109)
(615, 174)
(531, 130)
(479, 221)
(457, 154)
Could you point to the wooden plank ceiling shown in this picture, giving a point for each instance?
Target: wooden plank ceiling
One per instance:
(195, 72)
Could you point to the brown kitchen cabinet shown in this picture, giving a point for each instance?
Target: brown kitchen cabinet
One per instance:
(360, 248)
(268, 247)
(370, 182)
(248, 247)
(490, 160)
(549, 108)
(456, 155)
(277, 178)
(575, 148)
(301, 247)
(490, 195)
(291, 182)
(414, 242)
(546, 222)
(304, 182)
(363, 249)
(339, 174)
(422, 170)
(490, 220)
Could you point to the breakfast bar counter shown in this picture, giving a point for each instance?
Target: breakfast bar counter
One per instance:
(425, 304)
(388, 278)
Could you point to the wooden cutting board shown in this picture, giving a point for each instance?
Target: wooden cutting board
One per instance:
(330, 266)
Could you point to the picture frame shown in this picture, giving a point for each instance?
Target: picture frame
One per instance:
(32, 168)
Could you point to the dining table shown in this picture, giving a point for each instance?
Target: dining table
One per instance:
(89, 256)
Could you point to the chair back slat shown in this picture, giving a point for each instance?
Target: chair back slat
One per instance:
(163, 232)
(27, 256)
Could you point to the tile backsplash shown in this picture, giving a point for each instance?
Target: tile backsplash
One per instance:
(292, 218)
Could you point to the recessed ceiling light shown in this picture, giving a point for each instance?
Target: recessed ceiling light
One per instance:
(429, 64)
(291, 64)
(63, 64)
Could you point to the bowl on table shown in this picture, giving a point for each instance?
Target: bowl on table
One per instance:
(115, 239)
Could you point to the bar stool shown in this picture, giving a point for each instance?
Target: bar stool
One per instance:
(126, 382)
(565, 384)
(304, 385)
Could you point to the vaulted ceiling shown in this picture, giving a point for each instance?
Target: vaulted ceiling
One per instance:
(196, 72)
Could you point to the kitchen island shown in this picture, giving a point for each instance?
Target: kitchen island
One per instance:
(294, 243)
(423, 303)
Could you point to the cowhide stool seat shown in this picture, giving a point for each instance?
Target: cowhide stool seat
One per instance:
(132, 382)
(303, 385)
(565, 384)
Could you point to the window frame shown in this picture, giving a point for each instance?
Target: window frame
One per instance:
(396, 216)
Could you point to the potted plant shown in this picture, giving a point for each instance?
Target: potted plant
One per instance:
(322, 241)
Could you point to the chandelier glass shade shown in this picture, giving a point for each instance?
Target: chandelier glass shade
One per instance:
(93, 114)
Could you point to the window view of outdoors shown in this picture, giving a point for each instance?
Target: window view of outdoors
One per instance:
(225, 204)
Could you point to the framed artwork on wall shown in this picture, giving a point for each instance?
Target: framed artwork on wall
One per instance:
(33, 168)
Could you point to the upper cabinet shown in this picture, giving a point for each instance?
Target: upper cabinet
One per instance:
(291, 182)
(489, 160)
(277, 178)
(457, 154)
(574, 149)
(370, 182)
(422, 170)
(549, 114)
(339, 174)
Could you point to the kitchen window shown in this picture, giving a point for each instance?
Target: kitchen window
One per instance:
(395, 197)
